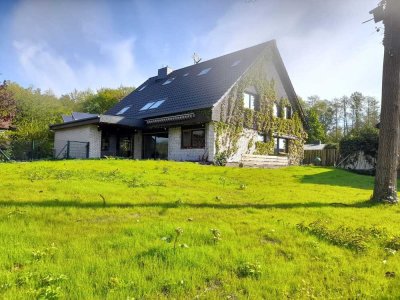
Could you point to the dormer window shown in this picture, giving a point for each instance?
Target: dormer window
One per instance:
(249, 100)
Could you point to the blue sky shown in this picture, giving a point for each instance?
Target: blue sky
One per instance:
(62, 45)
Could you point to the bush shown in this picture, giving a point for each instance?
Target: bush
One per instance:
(221, 159)
(365, 140)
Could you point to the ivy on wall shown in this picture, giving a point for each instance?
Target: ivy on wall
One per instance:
(234, 118)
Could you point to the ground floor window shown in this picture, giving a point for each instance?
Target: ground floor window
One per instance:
(125, 147)
(155, 145)
(281, 145)
(193, 138)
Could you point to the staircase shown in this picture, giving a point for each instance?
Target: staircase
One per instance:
(264, 161)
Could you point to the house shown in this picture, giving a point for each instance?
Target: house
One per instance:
(242, 103)
(5, 125)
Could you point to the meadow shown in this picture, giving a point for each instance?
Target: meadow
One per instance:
(124, 229)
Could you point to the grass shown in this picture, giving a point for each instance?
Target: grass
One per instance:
(120, 229)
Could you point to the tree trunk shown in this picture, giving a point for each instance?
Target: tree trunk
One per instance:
(385, 189)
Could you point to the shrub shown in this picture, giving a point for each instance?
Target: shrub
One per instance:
(221, 159)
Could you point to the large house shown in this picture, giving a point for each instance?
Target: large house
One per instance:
(242, 103)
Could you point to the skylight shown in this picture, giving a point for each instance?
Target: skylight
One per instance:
(186, 74)
(123, 110)
(168, 81)
(157, 104)
(204, 72)
(147, 106)
(152, 105)
(142, 88)
(236, 63)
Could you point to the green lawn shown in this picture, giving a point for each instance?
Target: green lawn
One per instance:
(106, 229)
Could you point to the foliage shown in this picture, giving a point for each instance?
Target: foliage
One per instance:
(220, 159)
(235, 120)
(365, 140)
(8, 106)
(117, 252)
(104, 99)
(315, 129)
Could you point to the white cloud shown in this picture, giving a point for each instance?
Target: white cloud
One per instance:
(324, 46)
(66, 45)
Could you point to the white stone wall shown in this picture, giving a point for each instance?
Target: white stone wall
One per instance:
(246, 144)
(175, 152)
(85, 133)
(137, 145)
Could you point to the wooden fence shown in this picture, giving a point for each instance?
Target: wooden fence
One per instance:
(329, 157)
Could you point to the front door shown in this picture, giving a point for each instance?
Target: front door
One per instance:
(155, 145)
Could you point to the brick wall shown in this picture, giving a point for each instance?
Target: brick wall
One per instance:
(175, 152)
(86, 133)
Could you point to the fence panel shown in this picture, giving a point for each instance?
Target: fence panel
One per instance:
(328, 156)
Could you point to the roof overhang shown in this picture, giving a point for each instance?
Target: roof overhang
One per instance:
(169, 119)
(97, 120)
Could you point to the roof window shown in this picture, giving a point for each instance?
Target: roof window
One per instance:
(152, 105)
(147, 106)
(204, 72)
(123, 110)
(142, 88)
(157, 104)
(168, 81)
(186, 74)
(236, 63)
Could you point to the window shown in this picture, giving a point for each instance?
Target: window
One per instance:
(157, 104)
(284, 112)
(204, 72)
(123, 110)
(288, 112)
(168, 81)
(105, 143)
(236, 63)
(281, 145)
(193, 138)
(186, 74)
(142, 88)
(249, 100)
(147, 106)
(261, 138)
(275, 110)
(152, 105)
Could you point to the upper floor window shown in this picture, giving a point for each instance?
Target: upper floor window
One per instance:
(249, 100)
(275, 110)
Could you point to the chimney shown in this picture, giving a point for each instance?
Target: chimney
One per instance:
(163, 72)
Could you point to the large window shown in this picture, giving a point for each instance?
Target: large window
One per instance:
(193, 138)
(249, 100)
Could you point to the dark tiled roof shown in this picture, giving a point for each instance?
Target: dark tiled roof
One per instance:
(192, 91)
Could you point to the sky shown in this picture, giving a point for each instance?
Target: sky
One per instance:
(66, 45)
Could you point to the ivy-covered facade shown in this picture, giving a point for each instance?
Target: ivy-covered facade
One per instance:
(216, 111)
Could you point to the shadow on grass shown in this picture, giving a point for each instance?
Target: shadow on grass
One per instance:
(166, 205)
(339, 177)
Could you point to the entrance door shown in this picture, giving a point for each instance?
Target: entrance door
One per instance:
(155, 146)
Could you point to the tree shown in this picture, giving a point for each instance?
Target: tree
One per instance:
(356, 103)
(8, 105)
(315, 129)
(385, 189)
(372, 112)
(345, 103)
(103, 100)
(337, 117)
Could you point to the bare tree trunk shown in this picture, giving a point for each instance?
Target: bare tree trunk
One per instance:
(385, 189)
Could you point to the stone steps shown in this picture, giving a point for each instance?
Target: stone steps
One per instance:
(264, 161)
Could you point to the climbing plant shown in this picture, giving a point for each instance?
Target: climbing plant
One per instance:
(235, 120)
